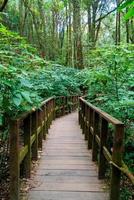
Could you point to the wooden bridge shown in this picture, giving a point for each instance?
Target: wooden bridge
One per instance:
(68, 170)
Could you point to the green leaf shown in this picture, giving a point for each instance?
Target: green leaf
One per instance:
(126, 4)
(17, 99)
(25, 83)
(26, 96)
(129, 14)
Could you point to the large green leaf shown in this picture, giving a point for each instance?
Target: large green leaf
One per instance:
(26, 96)
(17, 99)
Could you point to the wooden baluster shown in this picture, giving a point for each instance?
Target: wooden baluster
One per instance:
(27, 142)
(14, 160)
(34, 131)
(40, 135)
(86, 120)
(72, 106)
(49, 115)
(80, 112)
(54, 106)
(117, 159)
(66, 104)
(81, 115)
(96, 119)
(55, 103)
(46, 118)
(44, 128)
(63, 104)
(87, 124)
(43, 122)
(73, 103)
(76, 102)
(51, 111)
(90, 137)
(83, 118)
(103, 141)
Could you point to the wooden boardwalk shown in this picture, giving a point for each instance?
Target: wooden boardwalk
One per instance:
(66, 171)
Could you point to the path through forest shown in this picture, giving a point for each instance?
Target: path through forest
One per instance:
(66, 171)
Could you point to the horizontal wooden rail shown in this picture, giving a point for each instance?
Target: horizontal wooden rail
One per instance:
(27, 133)
(95, 125)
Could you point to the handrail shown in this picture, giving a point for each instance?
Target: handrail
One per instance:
(95, 125)
(27, 133)
(103, 114)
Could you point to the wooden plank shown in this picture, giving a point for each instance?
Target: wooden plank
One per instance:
(68, 173)
(64, 179)
(79, 187)
(66, 162)
(66, 170)
(65, 166)
(60, 195)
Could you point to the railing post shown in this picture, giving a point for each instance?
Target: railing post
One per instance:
(49, 114)
(86, 120)
(117, 159)
(66, 105)
(103, 140)
(90, 137)
(40, 135)
(54, 106)
(83, 117)
(34, 131)
(44, 118)
(47, 118)
(14, 160)
(79, 112)
(27, 142)
(96, 132)
(63, 105)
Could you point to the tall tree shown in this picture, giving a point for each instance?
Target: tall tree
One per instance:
(118, 24)
(78, 52)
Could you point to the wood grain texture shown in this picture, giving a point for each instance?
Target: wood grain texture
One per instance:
(66, 170)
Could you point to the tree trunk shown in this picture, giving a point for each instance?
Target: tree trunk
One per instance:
(78, 53)
(118, 25)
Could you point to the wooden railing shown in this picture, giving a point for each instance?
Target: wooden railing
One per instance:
(106, 147)
(65, 105)
(27, 133)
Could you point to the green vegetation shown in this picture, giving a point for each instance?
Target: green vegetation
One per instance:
(61, 48)
(26, 79)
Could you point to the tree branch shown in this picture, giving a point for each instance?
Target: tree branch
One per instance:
(104, 16)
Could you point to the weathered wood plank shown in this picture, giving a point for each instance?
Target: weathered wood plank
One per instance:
(60, 195)
(68, 173)
(79, 187)
(66, 170)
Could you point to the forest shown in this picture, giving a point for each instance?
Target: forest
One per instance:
(63, 48)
